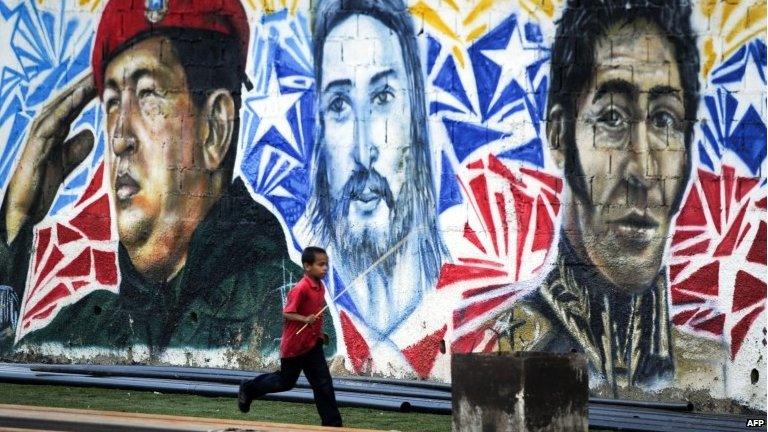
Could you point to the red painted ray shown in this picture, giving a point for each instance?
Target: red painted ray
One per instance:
(692, 212)
(524, 209)
(696, 249)
(728, 241)
(42, 315)
(748, 290)
(683, 235)
(757, 253)
(470, 235)
(744, 185)
(675, 270)
(57, 293)
(704, 280)
(357, 349)
(481, 262)
(739, 331)
(482, 290)
(501, 206)
(462, 316)
(743, 235)
(478, 164)
(76, 285)
(422, 354)
(710, 184)
(66, 235)
(106, 269)
(94, 185)
(554, 183)
(702, 314)
(545, 229)
(479, 188)
(491, 345)
(93, 220)
(53, 259)
(452, 273)
(712, 325)
(467, 343)
(80, 266)
(553, 201)
(728, 180)
(498, 167)
(681, 298)
(43, 238)
(684, 316)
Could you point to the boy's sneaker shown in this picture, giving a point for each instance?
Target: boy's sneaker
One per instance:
(243, 401)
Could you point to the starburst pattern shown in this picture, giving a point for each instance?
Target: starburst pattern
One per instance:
(74, 255)
(735, 23)
(277, 132)
(718, 256)
(460, 22)
(47, 52)
(507, 237)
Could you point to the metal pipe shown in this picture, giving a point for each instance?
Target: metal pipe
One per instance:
(603, 413)
(341, 384)
(367, 385)
(669, 406)
(344, 398)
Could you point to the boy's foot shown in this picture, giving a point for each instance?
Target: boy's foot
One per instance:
(243, 401)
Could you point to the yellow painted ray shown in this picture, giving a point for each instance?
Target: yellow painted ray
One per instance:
(270, 6)
(89, 5)
(541, 10)
(461, 22)
(731, 24)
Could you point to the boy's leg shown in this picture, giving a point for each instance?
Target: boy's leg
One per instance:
(319, 377)
(282, 380)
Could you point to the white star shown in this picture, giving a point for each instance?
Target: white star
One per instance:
(747, 98)
(513, 59)
(271, 111)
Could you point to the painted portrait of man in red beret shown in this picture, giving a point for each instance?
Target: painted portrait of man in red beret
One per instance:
(201, 262)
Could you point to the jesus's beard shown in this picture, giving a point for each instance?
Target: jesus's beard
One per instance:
(358, 245)
(361, 243)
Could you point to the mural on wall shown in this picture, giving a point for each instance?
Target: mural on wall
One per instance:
(143, 257)
(480, 182)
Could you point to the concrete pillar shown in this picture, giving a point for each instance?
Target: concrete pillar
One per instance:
(520, 391)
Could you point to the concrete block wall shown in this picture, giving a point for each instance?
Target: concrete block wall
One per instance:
(485, 175)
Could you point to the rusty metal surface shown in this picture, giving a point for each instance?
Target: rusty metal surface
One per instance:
(26, 418)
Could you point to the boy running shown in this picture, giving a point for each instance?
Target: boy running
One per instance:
(302, 351)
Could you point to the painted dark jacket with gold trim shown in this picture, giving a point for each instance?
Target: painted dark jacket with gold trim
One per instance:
(227, 295)
(627, 339)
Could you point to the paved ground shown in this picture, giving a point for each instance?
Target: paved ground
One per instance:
(26, 418)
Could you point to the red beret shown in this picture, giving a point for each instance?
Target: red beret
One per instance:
(124, 20)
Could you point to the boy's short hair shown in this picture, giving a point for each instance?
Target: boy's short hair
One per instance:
(310, 253)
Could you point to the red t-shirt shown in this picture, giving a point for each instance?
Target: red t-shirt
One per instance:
(307, 297)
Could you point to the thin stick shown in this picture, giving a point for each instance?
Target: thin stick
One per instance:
(365, 272)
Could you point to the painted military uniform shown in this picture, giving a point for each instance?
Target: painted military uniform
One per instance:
(227, 295)
(628, 340)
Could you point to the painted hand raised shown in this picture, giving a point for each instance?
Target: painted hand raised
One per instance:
(48, 156)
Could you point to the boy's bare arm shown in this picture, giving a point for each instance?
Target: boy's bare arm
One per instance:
(309, 319)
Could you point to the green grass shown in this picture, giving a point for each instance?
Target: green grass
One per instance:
(199, 406)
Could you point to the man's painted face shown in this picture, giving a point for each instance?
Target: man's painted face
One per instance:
(630, 136)
(366, 114)
(152, 125)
